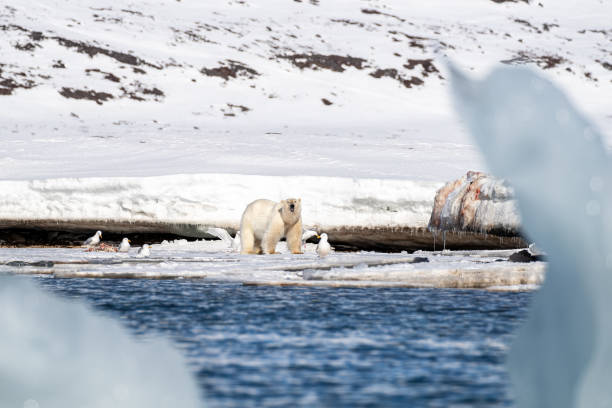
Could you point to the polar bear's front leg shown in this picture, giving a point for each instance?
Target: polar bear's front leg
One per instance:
(293, 235)
(247, 241)
(273, 234)
(257, 247)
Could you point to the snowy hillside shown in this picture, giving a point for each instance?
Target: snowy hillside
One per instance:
(347, 89)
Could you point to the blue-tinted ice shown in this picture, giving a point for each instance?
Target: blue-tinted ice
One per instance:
(532, 135)
(55, 353)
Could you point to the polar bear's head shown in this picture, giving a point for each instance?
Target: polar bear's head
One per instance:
(291, 210)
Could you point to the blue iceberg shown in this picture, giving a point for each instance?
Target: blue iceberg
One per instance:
(532, 135)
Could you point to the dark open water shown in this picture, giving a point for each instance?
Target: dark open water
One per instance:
(288, 347)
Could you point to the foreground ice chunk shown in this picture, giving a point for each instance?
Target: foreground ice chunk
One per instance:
(532, 136)
(56, 353)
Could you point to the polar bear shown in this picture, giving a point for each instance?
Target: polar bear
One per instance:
(265, 222)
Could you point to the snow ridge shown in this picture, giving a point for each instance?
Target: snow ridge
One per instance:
(217, 200)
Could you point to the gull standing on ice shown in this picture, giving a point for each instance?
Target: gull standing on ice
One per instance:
(308, 234)
(125, 245)
(145, 251)
(323, 247)
(236, 242)
(94, 240)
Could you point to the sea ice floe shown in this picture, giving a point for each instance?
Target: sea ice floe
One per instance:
(471, 269)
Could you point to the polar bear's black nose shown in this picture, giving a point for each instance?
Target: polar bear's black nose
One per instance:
(291, 207)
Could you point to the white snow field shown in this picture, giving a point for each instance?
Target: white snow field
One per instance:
(178, 114)
(202, 200)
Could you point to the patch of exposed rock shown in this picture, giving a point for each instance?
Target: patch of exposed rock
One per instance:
(78, 46)
(426, 68)
(336, 63)
(97, 97)
(542, 61)
(524, 256)
(394, 74)
(230, 69)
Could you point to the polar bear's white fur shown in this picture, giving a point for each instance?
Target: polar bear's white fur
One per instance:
(265, 222)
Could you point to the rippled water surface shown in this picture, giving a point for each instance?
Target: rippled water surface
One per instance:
(275, 346)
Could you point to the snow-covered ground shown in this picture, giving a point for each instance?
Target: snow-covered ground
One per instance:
(166, 112)
(215, 200)
(214, 261)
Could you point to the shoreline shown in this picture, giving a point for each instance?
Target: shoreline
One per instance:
(345, 238)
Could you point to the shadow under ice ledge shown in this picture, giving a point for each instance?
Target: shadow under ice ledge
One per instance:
(385, 239)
